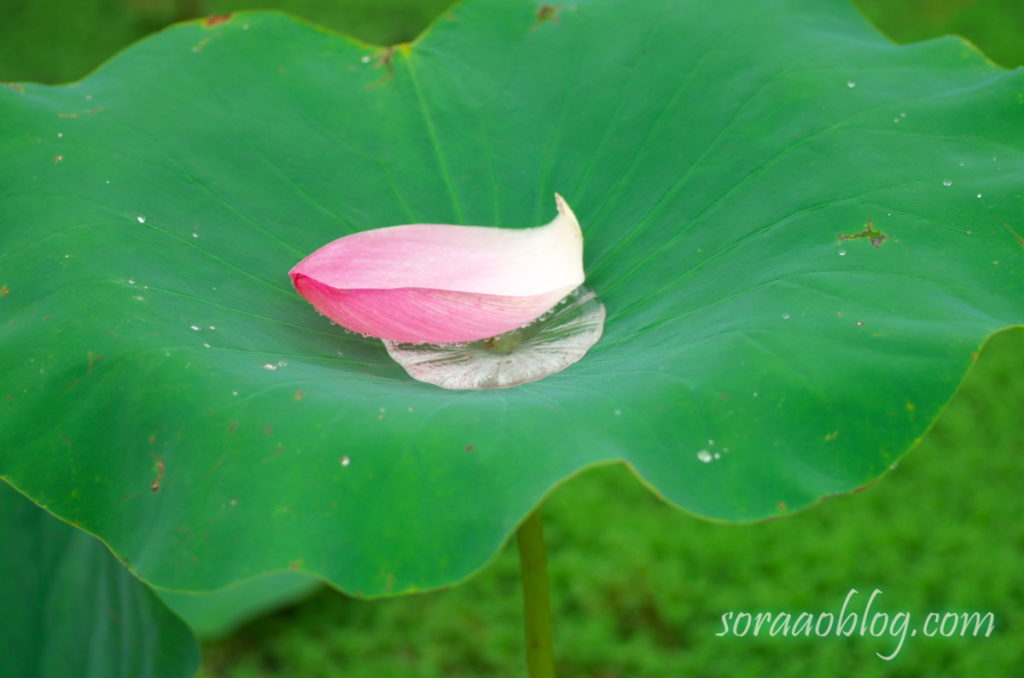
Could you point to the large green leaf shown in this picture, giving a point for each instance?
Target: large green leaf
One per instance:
(70, 609)
(167, 389)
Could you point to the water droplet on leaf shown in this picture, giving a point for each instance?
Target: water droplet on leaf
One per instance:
(517, 357)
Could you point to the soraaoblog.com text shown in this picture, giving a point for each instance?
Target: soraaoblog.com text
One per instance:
(853, 619)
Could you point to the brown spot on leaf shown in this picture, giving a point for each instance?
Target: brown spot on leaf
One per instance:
(160, 468)
(546, 13)
(469, 448)
(384, 60)
(152, 438)
(870, 233)
(267, 428)
(1015, 234)
(4, 291)
(16, 87)
(232, 426)
(299, 394)
(831, 436)
(58, 158)
(782, 506)
(863, 487)
(92, 359)
(97, 109)
(216, 19)
(67, 441)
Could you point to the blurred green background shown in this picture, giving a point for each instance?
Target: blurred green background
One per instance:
(640, 587)
(62, 40)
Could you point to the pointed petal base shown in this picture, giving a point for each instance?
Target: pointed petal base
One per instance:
(553, 342)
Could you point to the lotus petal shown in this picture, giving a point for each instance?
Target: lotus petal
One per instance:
(435, 283)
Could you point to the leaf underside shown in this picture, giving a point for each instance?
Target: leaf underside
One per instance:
(70, 609)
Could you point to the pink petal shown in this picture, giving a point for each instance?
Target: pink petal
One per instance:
(433, 283)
